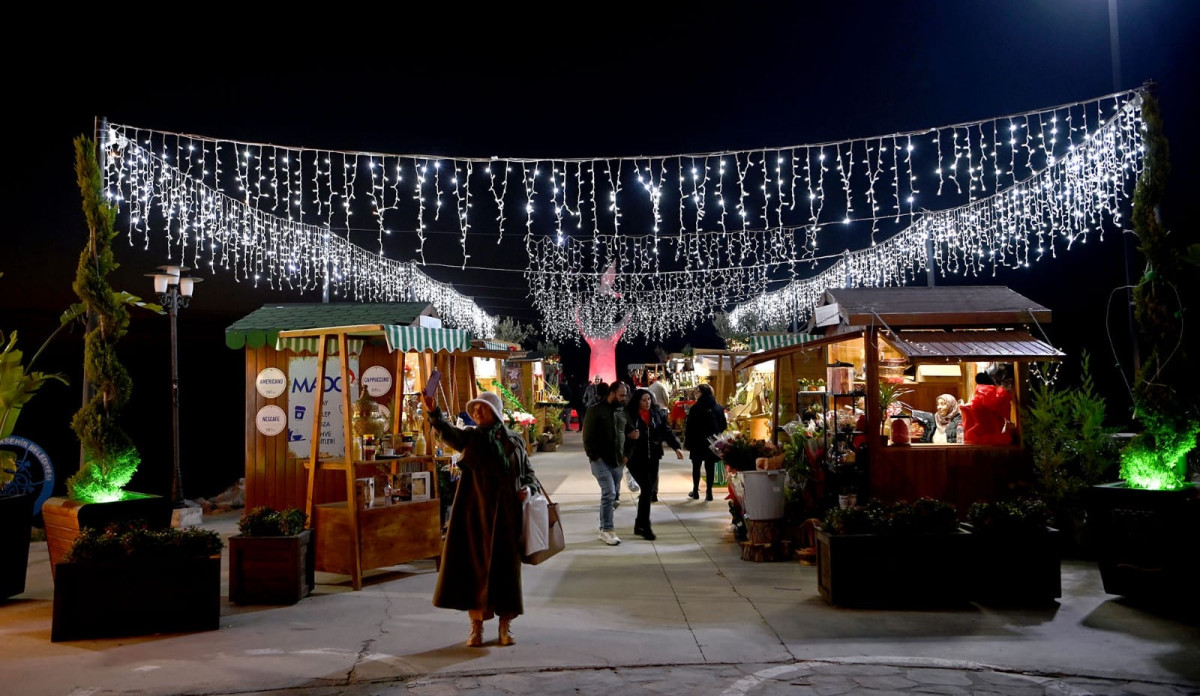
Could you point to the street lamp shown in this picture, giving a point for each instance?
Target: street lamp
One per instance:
(174, 293)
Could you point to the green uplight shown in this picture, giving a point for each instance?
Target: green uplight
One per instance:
(102, 482)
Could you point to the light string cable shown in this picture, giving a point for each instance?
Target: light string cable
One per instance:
(1077, 194)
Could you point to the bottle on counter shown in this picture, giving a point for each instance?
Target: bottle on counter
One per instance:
(419, 444)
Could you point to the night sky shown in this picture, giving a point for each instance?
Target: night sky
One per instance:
(656, 82)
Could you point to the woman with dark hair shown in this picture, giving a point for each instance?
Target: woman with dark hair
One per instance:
(705, 419)
(645, 433)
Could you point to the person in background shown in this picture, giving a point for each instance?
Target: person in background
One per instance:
(604, 453)
(943, 426)
(480, 569)
(645, 433)
(705, 419)
(591, 397)
(985, 417)
(566, 393)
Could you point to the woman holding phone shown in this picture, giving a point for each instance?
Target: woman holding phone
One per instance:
(480, 571)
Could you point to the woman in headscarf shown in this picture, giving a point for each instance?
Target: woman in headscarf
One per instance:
(480, 571)
(705, 419)
(942, 426)
(645, 433)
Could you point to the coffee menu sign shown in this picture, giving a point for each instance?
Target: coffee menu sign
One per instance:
(271, 420)
(271, 382)
(377, 380)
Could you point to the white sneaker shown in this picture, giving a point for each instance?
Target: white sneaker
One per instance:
(609, 537)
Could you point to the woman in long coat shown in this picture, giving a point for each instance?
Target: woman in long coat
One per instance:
(645, 433)
(480, 571)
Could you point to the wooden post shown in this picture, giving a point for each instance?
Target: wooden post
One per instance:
(314, 456)
(348, 459)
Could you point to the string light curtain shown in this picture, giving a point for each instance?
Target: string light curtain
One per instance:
(1076, 196)
(660, 240)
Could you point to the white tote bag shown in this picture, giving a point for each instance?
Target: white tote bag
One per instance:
(537, 524)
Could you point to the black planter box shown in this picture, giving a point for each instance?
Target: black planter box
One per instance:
(16, 523)
(1146, 542)
(892, 569)
(1016, 568)
(136, 597)
(271, 570)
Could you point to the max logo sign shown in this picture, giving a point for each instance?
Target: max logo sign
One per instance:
(332, 384)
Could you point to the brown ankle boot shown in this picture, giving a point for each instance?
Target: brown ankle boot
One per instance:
(506, 637)
(475, 638)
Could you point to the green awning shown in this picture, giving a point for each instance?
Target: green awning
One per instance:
(421, 339)
(309, 345)
(769, 341)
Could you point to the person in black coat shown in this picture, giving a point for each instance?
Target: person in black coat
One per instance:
(705, 419)
(645, 432)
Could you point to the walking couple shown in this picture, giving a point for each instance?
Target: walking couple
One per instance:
(616, 435)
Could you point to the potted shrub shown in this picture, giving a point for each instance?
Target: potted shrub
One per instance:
(1015, 553)
(897, 555)
(132, 580)
(271, 560)
(1145, 527)
(109, 456)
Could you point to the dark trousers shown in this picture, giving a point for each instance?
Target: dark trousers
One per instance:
(709, 468)
(646, 474)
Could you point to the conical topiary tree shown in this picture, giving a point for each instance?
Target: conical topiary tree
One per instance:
(110, 459)
(1164, 393)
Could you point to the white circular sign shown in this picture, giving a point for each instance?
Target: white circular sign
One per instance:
(378, 380)
(271, 382)
(271, 420)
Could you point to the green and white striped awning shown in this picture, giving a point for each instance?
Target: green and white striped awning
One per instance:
(420, 339)
(768, 341)
(495, 345)
(309, 345)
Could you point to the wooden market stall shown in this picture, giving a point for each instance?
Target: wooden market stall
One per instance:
(288, 353)
(925, 341)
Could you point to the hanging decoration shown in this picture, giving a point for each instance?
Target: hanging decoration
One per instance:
(687, 234)
(1062, 205)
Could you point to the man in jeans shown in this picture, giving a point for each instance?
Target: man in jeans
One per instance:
(604, 442)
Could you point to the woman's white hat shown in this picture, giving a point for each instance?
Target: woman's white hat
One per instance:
(492, 401)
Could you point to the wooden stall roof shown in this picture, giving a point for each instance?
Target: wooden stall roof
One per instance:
(964, 305)
(768, 355)
(964, 344)
(262, 326)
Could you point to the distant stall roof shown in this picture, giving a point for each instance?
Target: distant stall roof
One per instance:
(964, 305)
(262, 326)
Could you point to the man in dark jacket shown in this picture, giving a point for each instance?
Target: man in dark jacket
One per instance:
(705, 419)
(604, 444)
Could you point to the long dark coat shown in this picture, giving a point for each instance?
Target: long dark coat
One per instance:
(705, 419)
(481, 559)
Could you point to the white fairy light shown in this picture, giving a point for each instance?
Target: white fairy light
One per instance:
(246, 217)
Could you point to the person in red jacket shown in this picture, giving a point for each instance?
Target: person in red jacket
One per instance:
(985, 418)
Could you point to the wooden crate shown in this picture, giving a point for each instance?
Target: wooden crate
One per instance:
(390, 534)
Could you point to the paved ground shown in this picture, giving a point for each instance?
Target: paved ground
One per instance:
(681, 615)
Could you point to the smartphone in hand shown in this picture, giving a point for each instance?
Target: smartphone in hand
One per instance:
(431, 386)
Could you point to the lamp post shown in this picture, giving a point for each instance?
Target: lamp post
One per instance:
(174, 293)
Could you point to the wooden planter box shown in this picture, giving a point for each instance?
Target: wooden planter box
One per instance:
(1023, 568)
(1146, 542)
(892, 569)
(65, 517)
(271, 570)
(136, 597)
(16, 522)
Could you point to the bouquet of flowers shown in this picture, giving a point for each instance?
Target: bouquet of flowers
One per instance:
(522, 419)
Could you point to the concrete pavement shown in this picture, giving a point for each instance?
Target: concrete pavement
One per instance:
(683, 614)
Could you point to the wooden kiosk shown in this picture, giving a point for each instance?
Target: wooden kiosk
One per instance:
(274, 338)
(942, 335)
